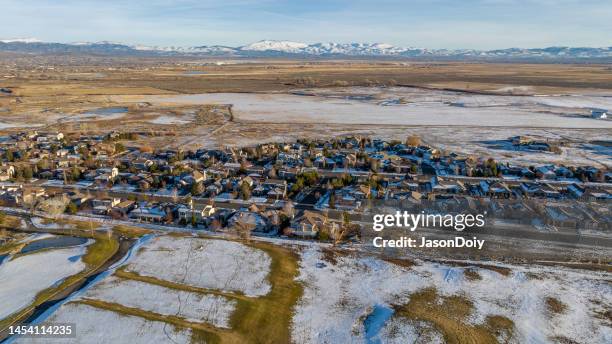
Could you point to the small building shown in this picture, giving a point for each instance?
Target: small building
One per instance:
(103, 206)
(199, 214)
(148, 214)
(249, 220)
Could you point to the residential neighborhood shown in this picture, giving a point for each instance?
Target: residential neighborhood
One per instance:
(312, 189)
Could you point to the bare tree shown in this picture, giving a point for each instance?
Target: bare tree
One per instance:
(413, 140)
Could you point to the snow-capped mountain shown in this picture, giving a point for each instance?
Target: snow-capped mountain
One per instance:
(281, 46)
(321, 49)
(288, 48)
(20, 40)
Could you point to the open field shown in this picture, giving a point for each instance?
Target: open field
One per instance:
(118, 327)
(197, 314)
(194, 307)
(249, 75)
(193, 262)
(318, 294)
(462, 107)
(370, 298)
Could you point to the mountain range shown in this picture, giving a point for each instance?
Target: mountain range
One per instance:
(271, 48)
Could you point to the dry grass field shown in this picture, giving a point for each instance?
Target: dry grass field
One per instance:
(65, 93)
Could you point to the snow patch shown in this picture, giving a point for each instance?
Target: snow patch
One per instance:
(214, 264)
(98, 326)
(25, 276)
(195, 307)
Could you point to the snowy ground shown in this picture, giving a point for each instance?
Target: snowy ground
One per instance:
(338, 297)
(22, 278)
(406, 106)
(97, 326)
(214, 264)
(41, 223)
(169, 120)
(195, 307)
(36, 236)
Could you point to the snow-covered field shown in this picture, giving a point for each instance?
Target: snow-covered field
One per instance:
(42, 223)
(169, 120)
(36, 236)
(214, 264)
(406, 106)
(338, 297)
(98, 326)
(195, 307)
(22, 278)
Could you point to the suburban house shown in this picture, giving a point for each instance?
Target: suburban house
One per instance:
(103, 206)
(199, 214)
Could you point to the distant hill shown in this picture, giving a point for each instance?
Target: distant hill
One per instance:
(270, 48)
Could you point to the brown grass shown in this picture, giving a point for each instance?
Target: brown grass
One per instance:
(131, 231)
(562, 340)
(448, 315)
(268, 319)
(499, 269)
(472, 275)
(121, 272)
(555, 306)
(500, 326)
(406, 263)
(207, 333)
(10, 222)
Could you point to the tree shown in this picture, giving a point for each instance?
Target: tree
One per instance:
(413, 141)
(71, 208)
(119, 147)
(346, 218)
(75, 173)
(146, 149)
(244, 230)
(245, 191)
(197, 188)
(332, 200)
(27, 172)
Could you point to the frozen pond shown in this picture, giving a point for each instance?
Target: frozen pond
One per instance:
(405, 106)
(108, 113)
(194, 72)
(53, 242)
(168, 120)
(23, 277)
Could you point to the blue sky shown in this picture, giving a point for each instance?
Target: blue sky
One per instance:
(480, 24)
